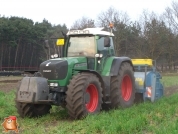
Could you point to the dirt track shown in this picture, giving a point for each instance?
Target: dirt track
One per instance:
(8, 85)
(170, 90)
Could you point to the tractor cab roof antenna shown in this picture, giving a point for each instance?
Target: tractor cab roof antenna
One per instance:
(111, 25)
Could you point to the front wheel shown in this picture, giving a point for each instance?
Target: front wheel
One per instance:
(32, 110)
(84, 95)
(122, 87)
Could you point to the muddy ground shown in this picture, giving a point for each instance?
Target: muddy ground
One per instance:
(8, 85)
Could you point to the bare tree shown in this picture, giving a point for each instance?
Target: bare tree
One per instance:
(154, 34)
(171, 16)
(112, 15)
(120, 21)
(82, 23)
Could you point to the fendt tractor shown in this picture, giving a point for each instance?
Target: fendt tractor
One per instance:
(87, 77)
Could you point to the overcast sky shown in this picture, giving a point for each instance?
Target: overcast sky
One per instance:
(67, 11)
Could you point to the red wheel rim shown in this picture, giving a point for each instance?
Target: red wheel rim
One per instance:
(126, 87)
(92, 104)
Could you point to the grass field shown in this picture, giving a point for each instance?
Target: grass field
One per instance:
(160, 117)
(169, 80)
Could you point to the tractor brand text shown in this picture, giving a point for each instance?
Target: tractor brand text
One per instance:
(79, 32)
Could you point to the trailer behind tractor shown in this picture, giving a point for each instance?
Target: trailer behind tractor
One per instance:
(86, 78)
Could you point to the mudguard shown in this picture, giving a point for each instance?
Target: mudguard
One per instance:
(32, 90)
(116, 63)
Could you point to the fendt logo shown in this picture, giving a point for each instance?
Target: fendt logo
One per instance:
(47, 71)
(48, 64)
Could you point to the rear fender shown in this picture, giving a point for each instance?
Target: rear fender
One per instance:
(116, 63)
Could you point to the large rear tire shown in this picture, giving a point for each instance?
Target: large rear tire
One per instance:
(31, 110)
(84, 95)
(122, 87)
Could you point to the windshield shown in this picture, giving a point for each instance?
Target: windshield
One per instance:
(82, 46)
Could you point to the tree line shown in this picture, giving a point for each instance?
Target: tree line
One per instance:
(22, 41)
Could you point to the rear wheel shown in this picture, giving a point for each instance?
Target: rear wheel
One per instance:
(84, 95)
(31, 110)
(122, 87)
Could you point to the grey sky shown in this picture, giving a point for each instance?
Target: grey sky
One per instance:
(67, 11)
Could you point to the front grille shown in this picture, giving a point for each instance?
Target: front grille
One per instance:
(54, 69)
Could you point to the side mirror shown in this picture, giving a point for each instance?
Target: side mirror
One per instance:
(107, 42)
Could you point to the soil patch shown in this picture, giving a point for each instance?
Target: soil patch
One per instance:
(6, 87)
(170, 90)
(8, 81)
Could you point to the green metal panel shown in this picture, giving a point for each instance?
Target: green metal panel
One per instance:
(107, 66)
(105, 62)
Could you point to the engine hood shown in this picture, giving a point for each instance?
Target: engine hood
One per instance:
(72, 60)
(58, 69)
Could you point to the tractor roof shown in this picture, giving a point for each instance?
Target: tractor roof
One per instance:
(93, 31)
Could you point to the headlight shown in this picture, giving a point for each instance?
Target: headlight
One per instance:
(55, 55)
(52, 56)
(97, 55)
(101, 55)
(53, 84)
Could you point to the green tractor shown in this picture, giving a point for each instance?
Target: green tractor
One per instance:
(87, 78)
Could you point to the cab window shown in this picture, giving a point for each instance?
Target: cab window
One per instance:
(81, 46)
(104, 50)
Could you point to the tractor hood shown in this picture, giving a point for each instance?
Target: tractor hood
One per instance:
(58, 69)
(73, 60)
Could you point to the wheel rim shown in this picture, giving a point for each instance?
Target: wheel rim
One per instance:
(126, 88)
(91, 98)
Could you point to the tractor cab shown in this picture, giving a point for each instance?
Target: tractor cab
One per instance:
(92, 43)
